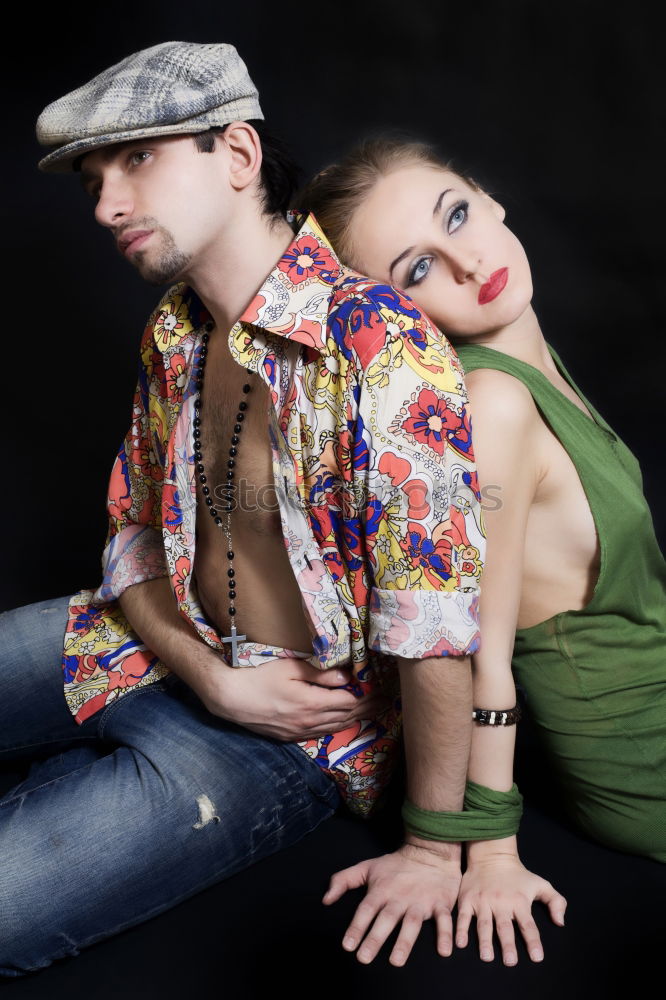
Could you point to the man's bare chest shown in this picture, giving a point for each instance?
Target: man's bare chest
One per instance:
(235, 442)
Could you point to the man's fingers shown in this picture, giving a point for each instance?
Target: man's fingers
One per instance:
(507, 937)
(363, 917)
(330, 723)
(371, 708)
(329, 694)
(340, 706)
(384, 923)
(445, 932)
(301, 670)
(322, 678)
(411, 927)
(531, 935)
(333, 698)
(342, 881)
(330, 700)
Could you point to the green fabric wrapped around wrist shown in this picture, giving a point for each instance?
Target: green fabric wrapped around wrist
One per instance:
(486, 815)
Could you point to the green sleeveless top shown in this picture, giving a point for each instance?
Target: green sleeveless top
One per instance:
(595, 679)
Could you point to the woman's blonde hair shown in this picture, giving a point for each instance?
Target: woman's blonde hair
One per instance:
(335, 193)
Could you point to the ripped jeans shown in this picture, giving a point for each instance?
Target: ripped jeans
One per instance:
(145, 804)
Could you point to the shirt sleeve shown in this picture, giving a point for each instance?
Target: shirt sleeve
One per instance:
(134, 551)
(424, 534)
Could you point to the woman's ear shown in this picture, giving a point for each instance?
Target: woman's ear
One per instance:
(244, 148)
(495, 207)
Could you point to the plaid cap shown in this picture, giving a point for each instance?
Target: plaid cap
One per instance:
(171, 88)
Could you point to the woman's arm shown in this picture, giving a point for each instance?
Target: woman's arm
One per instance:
(496, 887)
(504, 426)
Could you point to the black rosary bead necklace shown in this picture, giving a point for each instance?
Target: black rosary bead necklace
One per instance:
(221, 515)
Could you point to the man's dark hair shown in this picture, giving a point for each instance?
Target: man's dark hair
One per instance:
(279, 172)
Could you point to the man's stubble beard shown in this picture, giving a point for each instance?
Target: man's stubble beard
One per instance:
(169, 264)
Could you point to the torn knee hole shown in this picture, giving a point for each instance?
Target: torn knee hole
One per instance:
(207, 813)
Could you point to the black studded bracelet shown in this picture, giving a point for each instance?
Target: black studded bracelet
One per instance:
(496, 717)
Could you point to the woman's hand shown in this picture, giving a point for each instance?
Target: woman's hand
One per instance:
(411, 885)
(497, 889)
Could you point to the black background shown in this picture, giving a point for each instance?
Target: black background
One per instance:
(557, 108)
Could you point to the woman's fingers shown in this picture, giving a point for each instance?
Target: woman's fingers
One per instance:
(531, 935)
(500, 892)
(507, 937)
(555, 902)
(500, 920)
(484, 932)
(465, 914)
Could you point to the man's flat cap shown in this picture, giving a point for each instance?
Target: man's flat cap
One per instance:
(169, 89)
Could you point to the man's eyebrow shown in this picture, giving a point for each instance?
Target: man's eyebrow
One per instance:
(108, 153)
(405, 253)
(86, 177)
(438, 203)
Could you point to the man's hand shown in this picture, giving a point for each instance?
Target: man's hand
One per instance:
(411, 885)
(286, 699)
(499, 889)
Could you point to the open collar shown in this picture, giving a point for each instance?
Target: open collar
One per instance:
(293, 301)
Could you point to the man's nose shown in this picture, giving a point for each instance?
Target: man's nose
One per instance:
(114, 204)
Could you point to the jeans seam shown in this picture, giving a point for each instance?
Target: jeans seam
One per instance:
(154, 688)
(330, 793)
(200, 886)
(51, 781)
(44, 743)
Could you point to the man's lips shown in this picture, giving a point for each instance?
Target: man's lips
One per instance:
(129, 242)
(493, 286)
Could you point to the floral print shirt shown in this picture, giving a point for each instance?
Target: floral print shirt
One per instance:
(376, 484)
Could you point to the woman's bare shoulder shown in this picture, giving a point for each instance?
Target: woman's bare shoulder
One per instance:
(501, 400)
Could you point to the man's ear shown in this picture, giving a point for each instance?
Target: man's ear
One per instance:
(244, 148)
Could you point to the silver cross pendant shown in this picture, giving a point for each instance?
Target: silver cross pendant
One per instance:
(234, 639)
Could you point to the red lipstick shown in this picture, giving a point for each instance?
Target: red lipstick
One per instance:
(493, 286)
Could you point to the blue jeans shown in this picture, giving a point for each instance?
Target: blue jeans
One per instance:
(146, 803)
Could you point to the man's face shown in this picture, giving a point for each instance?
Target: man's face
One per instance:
(162, 199)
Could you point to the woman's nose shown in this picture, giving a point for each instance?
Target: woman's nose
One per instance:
(465, 263)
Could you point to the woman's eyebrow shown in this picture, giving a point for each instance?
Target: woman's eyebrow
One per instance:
(405, 253)
(438, 203)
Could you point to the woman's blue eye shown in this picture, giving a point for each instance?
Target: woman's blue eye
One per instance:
(458, 216)
(419, 271)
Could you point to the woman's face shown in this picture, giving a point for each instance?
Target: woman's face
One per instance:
(425, 230)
